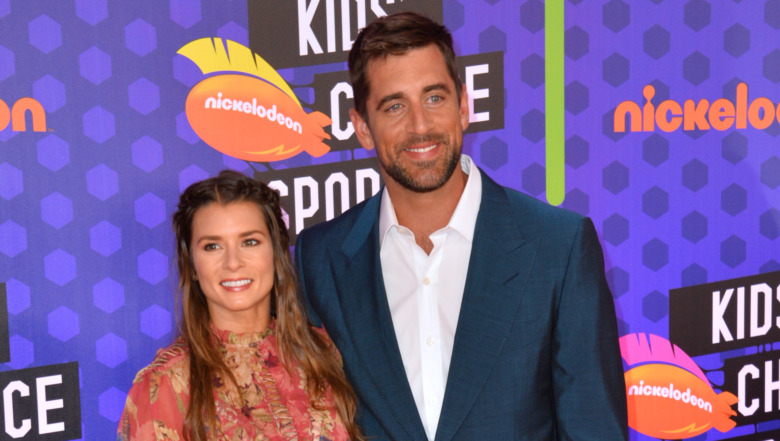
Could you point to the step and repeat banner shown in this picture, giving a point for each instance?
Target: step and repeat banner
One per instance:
(656, 118)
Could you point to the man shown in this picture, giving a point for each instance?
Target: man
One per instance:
(463, 310)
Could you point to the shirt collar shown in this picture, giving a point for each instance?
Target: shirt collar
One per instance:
(464, 218)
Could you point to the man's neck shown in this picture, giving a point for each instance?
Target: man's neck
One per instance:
(425, 213)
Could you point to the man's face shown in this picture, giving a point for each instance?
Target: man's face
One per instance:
(414, 118)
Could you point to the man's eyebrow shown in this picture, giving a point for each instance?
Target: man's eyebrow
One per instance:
(437, 86)
(394, 96)
(388, 98)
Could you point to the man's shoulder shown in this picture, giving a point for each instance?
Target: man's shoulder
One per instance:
(338, 228)
(537, 213)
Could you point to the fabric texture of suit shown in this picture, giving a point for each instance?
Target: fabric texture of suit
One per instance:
(536, 352)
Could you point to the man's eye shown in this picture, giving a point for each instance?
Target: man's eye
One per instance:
(436, 98)
(393, 108)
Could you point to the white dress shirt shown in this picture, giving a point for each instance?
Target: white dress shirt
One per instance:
(425, 293)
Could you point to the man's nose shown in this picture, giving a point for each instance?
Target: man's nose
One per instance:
(420, 119)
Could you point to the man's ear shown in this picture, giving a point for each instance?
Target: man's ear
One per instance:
(362, 131)
(464, 108)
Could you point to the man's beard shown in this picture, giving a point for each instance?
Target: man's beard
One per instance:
(433, 181)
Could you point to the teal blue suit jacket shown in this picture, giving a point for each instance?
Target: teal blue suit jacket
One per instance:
(536, 352)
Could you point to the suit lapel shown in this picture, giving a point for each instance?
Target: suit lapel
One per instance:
(358, 274)
(499, 266)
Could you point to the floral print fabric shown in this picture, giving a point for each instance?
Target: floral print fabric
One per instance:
(275, 404)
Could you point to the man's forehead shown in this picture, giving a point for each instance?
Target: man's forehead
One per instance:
(377, 67)
(392, 56)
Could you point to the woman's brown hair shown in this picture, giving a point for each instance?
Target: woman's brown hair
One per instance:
(298, 342)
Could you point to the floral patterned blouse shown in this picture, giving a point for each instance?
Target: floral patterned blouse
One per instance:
(275, 403)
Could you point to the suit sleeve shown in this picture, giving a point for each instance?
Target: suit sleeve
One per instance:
(588, 381)
(299, 261)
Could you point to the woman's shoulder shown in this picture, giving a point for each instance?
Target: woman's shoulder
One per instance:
(158, 399)
(167, 360)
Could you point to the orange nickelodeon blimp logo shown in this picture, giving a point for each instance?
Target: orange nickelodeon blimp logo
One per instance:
(247, 110)
(669, 397)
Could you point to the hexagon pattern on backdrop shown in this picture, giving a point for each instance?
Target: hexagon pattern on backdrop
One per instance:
(86, 247)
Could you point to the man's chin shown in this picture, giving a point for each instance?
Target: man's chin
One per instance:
(422, 184)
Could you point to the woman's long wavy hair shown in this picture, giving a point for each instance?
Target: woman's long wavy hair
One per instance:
(298, 343)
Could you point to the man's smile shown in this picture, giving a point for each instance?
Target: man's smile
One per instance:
(422, 149)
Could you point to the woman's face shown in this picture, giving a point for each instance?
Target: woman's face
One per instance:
(233, 258)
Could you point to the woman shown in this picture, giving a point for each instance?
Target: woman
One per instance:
(246, 365)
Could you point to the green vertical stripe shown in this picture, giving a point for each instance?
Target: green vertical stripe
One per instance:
(555, 133)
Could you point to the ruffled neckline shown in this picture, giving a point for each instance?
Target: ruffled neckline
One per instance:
(250, 338)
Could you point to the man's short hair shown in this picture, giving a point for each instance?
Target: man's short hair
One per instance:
(396, 34)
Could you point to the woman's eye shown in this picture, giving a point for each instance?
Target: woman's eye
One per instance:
(211, 247)
(251, 242)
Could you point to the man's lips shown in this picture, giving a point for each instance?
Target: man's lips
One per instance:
(422, 149)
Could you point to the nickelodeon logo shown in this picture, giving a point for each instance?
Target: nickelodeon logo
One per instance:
(253, 109)
(721, 114)
(248, 111)
(668, 395)
(669, 392)
(16, 115)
